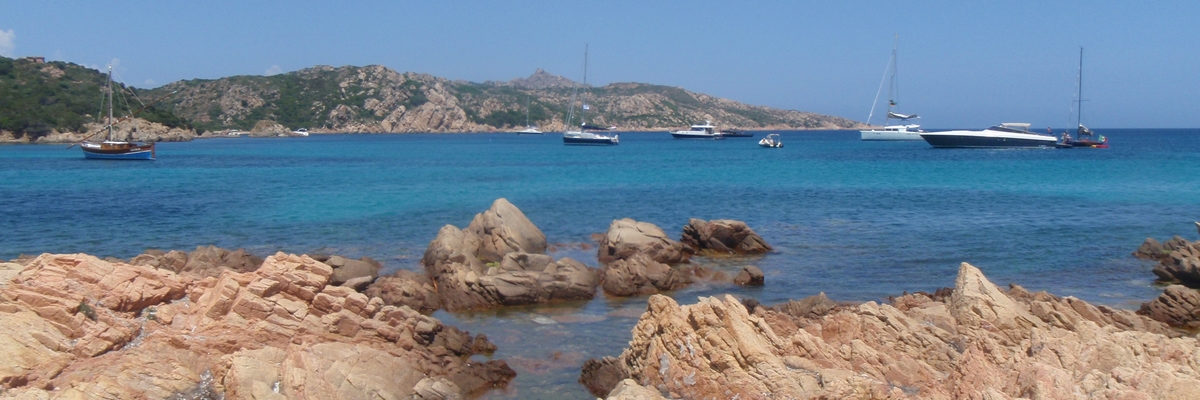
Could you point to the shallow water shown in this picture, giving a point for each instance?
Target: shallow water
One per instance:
(857, 220)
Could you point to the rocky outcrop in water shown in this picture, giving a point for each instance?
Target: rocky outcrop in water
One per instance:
(1178, 260)
(626, 237)
(497, 261)
(74, 326)
(640, 275)
(722, 237)
(750, 276)
(976, 342)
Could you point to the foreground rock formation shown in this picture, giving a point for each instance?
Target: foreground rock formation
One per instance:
(1178, 264)
(497, 261)
(978, 341)
(74, 326)
(1178, 306)
(722, 236)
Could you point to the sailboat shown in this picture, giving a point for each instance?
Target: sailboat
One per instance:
(889, 132)
(529, 129)
(1084, 136)
(111, 149)
(587, 134)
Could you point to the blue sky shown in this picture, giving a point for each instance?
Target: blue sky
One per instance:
(963, 64)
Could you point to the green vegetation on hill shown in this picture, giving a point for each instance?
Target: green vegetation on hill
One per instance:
(378, 99)
(37, 99)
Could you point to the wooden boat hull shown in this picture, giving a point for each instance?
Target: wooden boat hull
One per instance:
(106, 151)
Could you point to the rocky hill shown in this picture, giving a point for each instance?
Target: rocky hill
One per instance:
(377, 99)
(60, 102)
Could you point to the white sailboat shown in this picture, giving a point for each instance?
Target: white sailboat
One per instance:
(587, 134)
(529, 129)
(892, 132)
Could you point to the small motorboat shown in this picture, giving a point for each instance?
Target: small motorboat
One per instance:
(300, 132)
(771, 140)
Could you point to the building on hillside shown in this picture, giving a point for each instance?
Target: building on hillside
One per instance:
(36, 59)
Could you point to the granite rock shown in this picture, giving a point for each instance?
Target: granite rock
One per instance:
(626, 237)
(497, 261)
(74, 326)
(722, 237)
(978, 342)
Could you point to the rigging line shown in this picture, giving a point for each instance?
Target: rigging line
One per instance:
(129, 88)
(895, 75)
(877, 92)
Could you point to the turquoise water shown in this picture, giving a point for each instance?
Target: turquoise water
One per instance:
(856, 220)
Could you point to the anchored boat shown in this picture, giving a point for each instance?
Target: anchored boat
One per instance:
(111, 149)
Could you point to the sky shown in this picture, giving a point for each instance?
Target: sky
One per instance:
(961, 64)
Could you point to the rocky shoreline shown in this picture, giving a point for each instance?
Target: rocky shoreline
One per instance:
(215, 323)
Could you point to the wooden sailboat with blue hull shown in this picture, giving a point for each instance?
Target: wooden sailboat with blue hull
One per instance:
(110, 149)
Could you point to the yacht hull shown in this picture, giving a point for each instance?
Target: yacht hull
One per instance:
(588, 142)
(98, 152)
(684, 135)
(890, 135)
(968, 140)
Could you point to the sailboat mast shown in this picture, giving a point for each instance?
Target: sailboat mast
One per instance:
(893, 92)
(110, 104)
(583, 98)
(1079, 109)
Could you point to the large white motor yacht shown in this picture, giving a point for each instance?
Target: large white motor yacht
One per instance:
(698, 131)
(1009, 134)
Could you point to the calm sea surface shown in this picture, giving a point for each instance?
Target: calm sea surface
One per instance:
(857, 220)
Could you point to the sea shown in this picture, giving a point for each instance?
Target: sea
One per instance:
(858, 221)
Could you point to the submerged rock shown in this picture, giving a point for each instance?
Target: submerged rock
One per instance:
(979, 341)
(722, 236)
(749, 276)
(75, 326)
